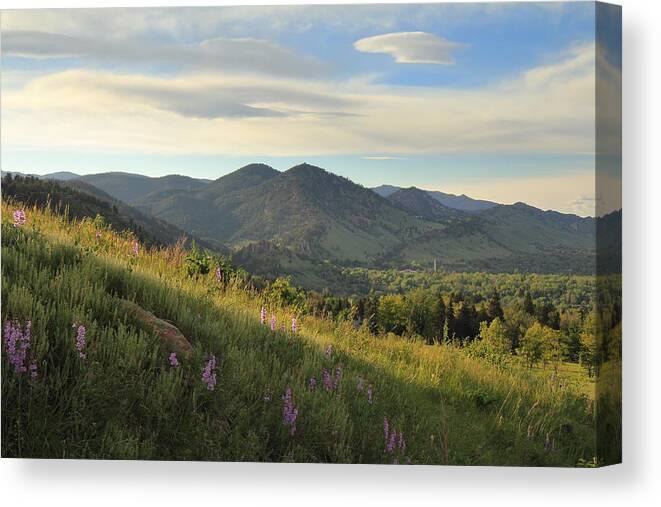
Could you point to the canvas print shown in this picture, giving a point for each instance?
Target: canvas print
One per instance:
(378, 234)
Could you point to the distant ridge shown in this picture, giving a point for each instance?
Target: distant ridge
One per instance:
(421, 204)
(460, 202)
(128, 187)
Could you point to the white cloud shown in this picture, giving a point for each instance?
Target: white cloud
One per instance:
(239, 54)
(410, 47)
(231, 112)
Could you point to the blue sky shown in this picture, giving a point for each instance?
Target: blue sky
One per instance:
(491, 100)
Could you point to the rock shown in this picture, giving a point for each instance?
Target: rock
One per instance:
(169, 333)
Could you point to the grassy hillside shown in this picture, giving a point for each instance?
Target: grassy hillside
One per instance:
(80, 200)
(125, 400)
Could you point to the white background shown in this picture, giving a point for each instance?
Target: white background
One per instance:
(636, 482)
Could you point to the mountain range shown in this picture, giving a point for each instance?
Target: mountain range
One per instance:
(461, 202)
(304, 219)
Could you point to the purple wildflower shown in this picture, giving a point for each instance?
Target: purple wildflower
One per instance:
(326, 379)
(390, 446)
(135, 248)
(209, 373)
(369, 394)
(386, 428)
(329, 351)
(262, 315)
(273, 322)
(173, 359)
(80, 340)
(338, 377)
(289, 413)
(33, 370)
(218, 274)
(17, 343)
(294, 325)
(19, 218)
(312, 384)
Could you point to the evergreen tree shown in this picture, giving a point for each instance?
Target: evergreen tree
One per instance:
(528, 305)
(494, 309)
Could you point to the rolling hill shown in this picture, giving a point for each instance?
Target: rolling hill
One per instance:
(306, 209)
(127, 187)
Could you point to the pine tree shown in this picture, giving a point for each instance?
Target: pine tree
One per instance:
(528, 305)
(494, 309)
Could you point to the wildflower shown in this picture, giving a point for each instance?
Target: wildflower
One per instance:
(135, 248)
(97, 236)
(17, 343)
(361, 384)
(338, 377)
(289, 413)
(369, 394)
(19, 218)
(294, 326)
(262, 315)
(209, 373)
(326, 379)
(81, 342)
(273, 322)
(329, 351)
(401, 443)
(390, 446)
(312, 384)
(386, 428)
(33, 370)
(218, 274)
(173, 359)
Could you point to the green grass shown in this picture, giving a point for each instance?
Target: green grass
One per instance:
(124, 401)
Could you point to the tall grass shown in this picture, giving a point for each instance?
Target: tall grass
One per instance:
(125, 400)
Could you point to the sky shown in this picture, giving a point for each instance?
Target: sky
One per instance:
(496, 100)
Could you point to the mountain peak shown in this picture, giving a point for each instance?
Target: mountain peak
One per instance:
(244, 177)
(306, 168)
(256, 168)
(420, 203)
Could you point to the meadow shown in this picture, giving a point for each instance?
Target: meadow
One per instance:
(246, 392)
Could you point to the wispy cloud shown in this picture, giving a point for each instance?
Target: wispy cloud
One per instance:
(382, 157)
(410, 47)
(216, 54)
(234, 113)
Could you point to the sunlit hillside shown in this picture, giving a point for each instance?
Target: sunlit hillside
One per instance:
(310, 390)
